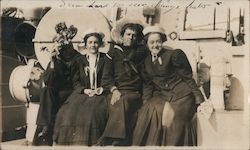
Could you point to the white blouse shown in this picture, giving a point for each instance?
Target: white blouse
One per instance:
(155, 58)
(93, 61)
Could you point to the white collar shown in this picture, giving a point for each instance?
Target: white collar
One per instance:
(93, 56)
(155, 56)
(118, 47)
(97, 58)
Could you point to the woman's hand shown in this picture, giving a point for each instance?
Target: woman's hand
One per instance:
(89, 92)
(99, 91)
(206, 109)
(115, 96)
(55, 50)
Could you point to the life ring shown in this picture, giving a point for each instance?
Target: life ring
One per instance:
(18, 82)
(82, 19)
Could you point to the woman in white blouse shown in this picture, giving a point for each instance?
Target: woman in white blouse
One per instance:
(82, 118)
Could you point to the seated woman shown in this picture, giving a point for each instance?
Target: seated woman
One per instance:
(56, 89)
(82, 118)
(170, 95)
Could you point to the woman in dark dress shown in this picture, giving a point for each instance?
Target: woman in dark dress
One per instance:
(82, 118)
(56, 89)
(170, 95)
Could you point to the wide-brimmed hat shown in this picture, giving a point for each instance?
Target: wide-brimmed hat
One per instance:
(82, 46)
(93, 30)
(118, 26)
(153, 29)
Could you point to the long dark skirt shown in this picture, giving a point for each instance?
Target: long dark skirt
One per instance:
(149, 129)
(81, 120)
(122, 118)
(50, 102)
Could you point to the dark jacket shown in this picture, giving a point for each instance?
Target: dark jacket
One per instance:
(122, 69)
(58, 86)
(80, 78)
(173, 78)
(122, 66)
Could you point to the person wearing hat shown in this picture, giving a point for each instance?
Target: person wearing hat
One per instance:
(57, 86)
(82, 118)
(122, 81)
(170, 95)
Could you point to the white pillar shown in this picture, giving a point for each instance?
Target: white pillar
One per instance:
(32, 112)
(217, 83)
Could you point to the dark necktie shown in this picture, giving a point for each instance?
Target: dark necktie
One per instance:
(94, 80)
(155, 59)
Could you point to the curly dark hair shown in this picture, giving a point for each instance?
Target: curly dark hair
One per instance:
(135, 27)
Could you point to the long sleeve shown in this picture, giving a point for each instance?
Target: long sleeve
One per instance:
(147, 92)
(107, 81)
(49, 76)
(78, 83)
(50, 73)
(148, 87)
(184, 70)
(78, 87)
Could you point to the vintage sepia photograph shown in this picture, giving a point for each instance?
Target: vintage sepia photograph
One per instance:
(124, 74)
